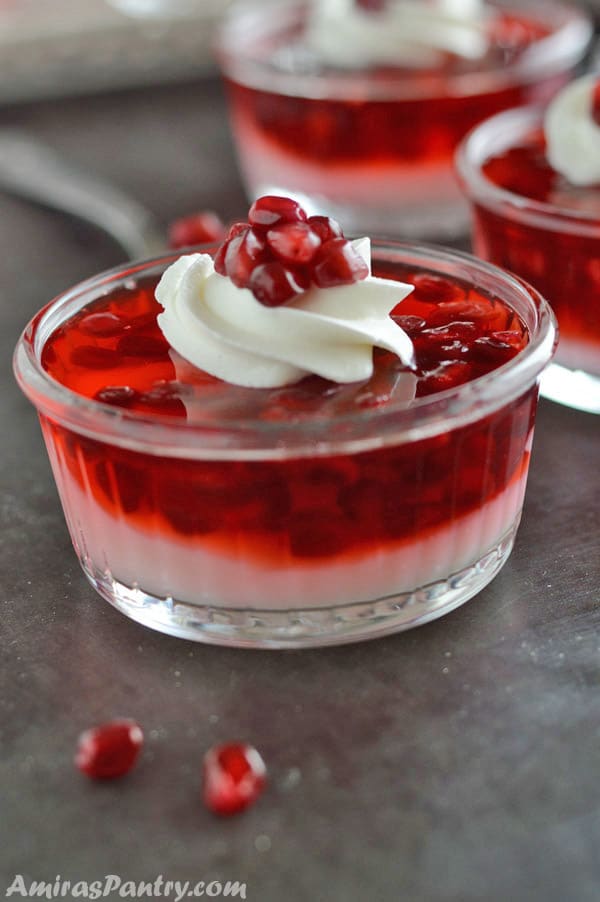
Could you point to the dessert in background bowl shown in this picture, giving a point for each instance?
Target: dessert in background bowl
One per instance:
(533, 179)
(292, 440)
(356, 108)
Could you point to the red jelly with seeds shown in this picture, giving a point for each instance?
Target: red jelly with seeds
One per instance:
(531, 220)
(307, 514)
(373, 146)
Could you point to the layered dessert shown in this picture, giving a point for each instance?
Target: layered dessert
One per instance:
(535, 184)
(356, 108)
(291, 423)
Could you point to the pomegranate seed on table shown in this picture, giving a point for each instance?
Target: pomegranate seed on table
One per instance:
(269, 211)
(199, 228)
(109, 750)
(293, 242)
(234, 775)
(338, 263)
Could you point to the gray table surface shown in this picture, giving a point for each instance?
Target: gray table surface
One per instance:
(458, 761)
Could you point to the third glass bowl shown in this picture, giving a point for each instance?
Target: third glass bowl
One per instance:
(554, 245)
(373, 147)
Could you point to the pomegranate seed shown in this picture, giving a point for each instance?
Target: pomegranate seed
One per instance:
(325, 227)
(411, 324)
(269, 211)
(235, 229)
(147, 347)
(199, 228)
(596, 102)
(102, 325)
(117, 395)
(94, 358)
(244, 252)
(488, 348)
(219, 259)
(273, 284)
(435, 290)
(234, 777)
(293, 242)
(371, 5)
(338, 263)
(109, 750)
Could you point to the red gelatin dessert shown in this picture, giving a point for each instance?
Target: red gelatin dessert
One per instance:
(357, 108)
(253, 502)
(535, 220)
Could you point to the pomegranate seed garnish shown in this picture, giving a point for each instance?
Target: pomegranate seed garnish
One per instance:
(596, 103)
(219, 259)
(325, 227)
(371, 5)
(273, 284)
(199, 228)
(117, 395)
(234, 776)
(244, 252)
(109, 750)
(269, 211)
(236, 228)
(293, 242)
(338, 263)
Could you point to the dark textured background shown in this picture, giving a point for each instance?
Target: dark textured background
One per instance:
(456, 762)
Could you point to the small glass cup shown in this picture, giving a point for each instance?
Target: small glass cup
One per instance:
(557, 249)
(399, 513)
(374, 147)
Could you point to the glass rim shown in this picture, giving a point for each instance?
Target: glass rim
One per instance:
(498, 133)
(559, 51)
(345, 433)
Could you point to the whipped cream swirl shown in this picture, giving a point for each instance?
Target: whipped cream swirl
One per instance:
(572, 134)
(402, 32)
(330, 332)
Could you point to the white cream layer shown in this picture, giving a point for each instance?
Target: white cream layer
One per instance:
(330, 332)
(572, 135)
(189, 571)
(404, 32)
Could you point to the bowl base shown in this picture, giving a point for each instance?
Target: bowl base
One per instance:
(572, 388)
(311, 627)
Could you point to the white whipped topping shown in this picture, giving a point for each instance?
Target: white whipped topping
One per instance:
(403, 32)
(572, 135)
(330, 332)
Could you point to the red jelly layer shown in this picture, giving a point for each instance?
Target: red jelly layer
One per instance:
(303, 507)
(564, 266)
(425, 129)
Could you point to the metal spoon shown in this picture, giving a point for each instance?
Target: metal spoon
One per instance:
(31, 170)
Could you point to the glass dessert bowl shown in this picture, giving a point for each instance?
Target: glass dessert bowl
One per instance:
(307, 513)
(533, 220)
(365, 129)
